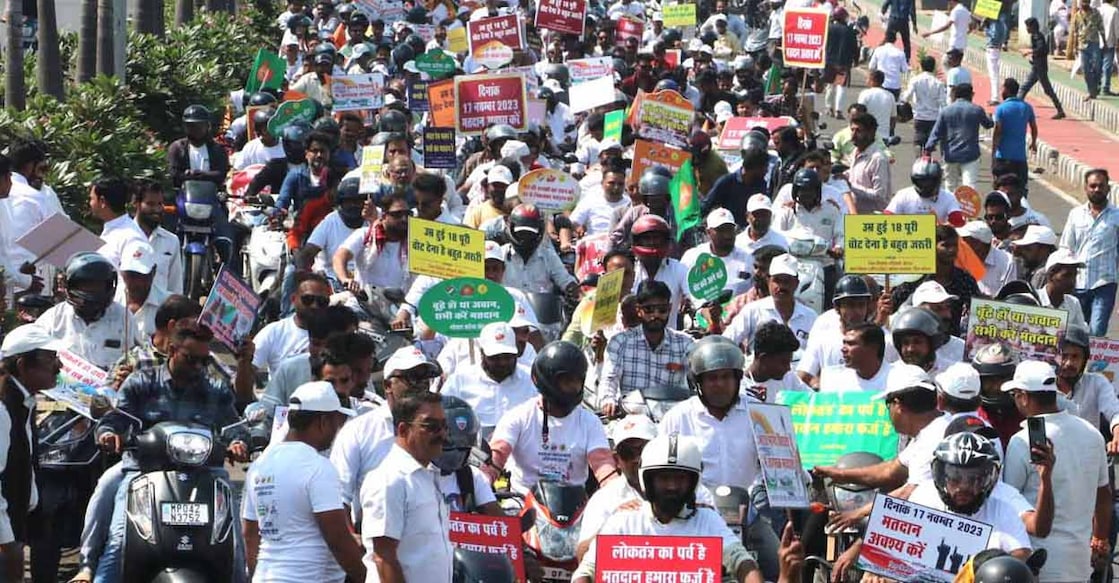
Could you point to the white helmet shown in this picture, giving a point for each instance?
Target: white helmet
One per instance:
(670, 452)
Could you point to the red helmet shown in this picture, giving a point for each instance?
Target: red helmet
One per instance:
(650, 223)
(526, 227)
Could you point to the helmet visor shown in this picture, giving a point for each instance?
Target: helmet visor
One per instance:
(975, 480)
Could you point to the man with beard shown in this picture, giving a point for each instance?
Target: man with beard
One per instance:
(378, 250)
(770, 371)
(597, 213)
(1092, 233)
(728, 190)
(869, 176)
(496, 384)
(864, 366)
(651, 243)
(955, 281)
(334, 230)
(781, 305)
(917, 334)
(1032, 251)
(758, 234)
(670, 476)
(650, 355)
(1060, 283)
(643, 77)
(496, 181)
(852, 305)
(148, 199)
(288, 337)
(721, 243)
(1092, 392)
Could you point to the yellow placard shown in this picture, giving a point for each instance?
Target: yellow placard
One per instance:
(879, 244)
(372, 162)
(679, 15)
(456, 40)
(445, 251)
(985, 9)
(607, 294)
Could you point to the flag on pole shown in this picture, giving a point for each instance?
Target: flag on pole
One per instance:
(267, 72)
(685, 203)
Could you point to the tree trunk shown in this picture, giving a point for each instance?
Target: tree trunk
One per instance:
(184, 12)
(87, 41)
(49, 64)
(15, 92)
(106, 64)
(145, 19)
(158, 25)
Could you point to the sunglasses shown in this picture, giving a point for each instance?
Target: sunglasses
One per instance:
(656, 309)
(431, 426)
(313, 300)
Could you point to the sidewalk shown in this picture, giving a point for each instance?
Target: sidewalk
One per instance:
(1067, 148)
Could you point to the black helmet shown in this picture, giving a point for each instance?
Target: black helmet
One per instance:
(926, 175)
(556, 359)
(417, 43)
(346, 10)
(806, 178)
(349, 189)
(755, 149)
(393, 121)
(1078, 335)
(358, 17)
(417, 15)
(325, 49)
(526, 228)
(919, 321)
(89, 267)
(997, 359)
(462, 434)
(401, 55)
(197, 114)
(1004, 569)
(545, 94)
(671, 36)
(294, 142)
(261, 117)
(666, 84)
(300, 20)
(851, 286)
(653, 183)
(261, 98)
(708, 38)
(966, 455)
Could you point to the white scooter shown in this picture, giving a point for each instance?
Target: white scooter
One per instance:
(811, 253)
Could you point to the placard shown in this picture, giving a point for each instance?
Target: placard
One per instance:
(628, 27)
(460, 307)
(486, 100)
(505, 30)
(493, 55)
(231, 309)
(806, 35)
(882, 244)
(592, 94)
(678, 15)
(353, 92)
(707, 277)
(56, 238)
(612, 125)
(581, 70)
(648, 559)
(417, 96)
(549, 189)
(436, 63)
(987, 9)
(1035, 333)
(1105, 358)
(562, 16)
(289, 112)
(971, 204)
(607, 296)
(439, 148)
(647, 154)
(456, 40)
(909, 542)
(441, 103)
(499, 536)
(665, 116)
(734, 131)
(77, 371)
(778, 455)
(372, 162)
(445, 251)
(828, 425)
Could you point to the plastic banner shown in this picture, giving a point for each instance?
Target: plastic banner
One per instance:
(1035, 333)
(439, 148)
(707, 278)
(665, 116)
(647, 154)
(486, 100)
(778, 455)
(828, 425)
(736, 127)
(562, 16)
(646, 558)
(549, 189)
(679, 15)
(607, 296)
(806, 35)
(442, 250)
(462, 306)
(498, 536)
(890, 243)
(230, 309)
(505, 30)
(353, 92)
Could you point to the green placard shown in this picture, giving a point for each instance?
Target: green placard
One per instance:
(612, 126)
(708, 277)
(267, 73)
(462, 306)
(436, 63)
(829, 425)
(290, 112)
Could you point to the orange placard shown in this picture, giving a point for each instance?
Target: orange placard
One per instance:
(969, 200)
(647, 154)
(293, 96)
(441, 100)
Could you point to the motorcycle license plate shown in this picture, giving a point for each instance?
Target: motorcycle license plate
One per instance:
(183, 514)
(556, 574)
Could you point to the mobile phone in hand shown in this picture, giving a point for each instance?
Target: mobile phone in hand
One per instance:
(1035, 426)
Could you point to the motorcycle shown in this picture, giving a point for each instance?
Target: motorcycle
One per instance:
(194, 207)
(654, 401)
(558, 510)
(741, 515)
(550, 313)
(375, 309)
(811, 253)
(264, 258)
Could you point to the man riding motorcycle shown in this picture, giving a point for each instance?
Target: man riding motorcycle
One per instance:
(917, 334)
(996, 363)
(533, 266)
(465, 487)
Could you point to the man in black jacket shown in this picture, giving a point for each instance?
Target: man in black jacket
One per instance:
(31, 365)
(197, 156)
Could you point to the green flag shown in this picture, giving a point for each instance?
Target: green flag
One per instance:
(268, 72)
(685, 204)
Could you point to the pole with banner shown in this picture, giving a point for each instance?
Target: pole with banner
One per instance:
(806, 35)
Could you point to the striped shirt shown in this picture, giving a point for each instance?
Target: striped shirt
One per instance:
(1095, 241)
(631, 364)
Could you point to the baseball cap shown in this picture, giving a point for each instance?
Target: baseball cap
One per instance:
(1037, 235)
(719, 217)
(317, 397)
(658, 17)
(1032, 376)
(515, 149)
(408, 358)
(1059, 257)
(521, 319)
(977, 230)
(960, 381)
(931, 292)
(759, 202)
(138, 257)
(904, 377)
(784, 264)
(28, 338)
(494, 251)
(498, 338)
(723, 113)
(610, 144)
(499, 175)
(633, 427)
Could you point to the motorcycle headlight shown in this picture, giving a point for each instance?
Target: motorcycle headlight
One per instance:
(140, 507)
(557, 543)
(198, 211)
(189, 449)
(847, 500)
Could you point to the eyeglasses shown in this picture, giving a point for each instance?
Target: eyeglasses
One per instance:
(431, 426)
(398, 214)
(656, 308)
(313, 300)
(414, 381)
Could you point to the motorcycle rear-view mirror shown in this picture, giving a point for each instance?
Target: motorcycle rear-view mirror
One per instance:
(393, 294)
(255, 412)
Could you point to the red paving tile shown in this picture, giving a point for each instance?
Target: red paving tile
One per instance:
(1080, 139)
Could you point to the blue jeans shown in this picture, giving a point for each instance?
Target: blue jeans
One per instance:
(99, 515)
(1097, 304)
(1108, 67)
(1090, 60)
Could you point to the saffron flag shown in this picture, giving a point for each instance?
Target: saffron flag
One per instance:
(685, 202)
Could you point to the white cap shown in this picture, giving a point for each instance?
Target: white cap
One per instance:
(609, 144)
(759, 202)
(494, 251)
(499, 175)
(633, 427)
(513, 191)
(719, 17)
(722, 116)
(784, 264)
(719, 217)
(498, 338)
(904, 377)
(1037, 235)
(1022, 220)
(138, 257)
(931, 292)
(515, 149)
(521, 319)
(317, 397)
(27, 338)
(707, 50)
(408, 358)
(658, 17)
(1032, 376)
(960, 381)
(977, 230)
(1062, 256)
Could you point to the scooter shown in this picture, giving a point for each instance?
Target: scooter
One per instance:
(559, 515)
(549, 308)
(811, 253)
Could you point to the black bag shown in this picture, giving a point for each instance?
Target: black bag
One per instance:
(905, 112)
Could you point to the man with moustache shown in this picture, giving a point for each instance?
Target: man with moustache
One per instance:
(852, 301)
(780, 306)
(1092, 234)
(148, 198)
(496, 384)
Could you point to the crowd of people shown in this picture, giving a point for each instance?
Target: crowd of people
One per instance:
(372, 450)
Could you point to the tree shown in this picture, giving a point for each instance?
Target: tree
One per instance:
(15, 92)
(184, 12)
(106, 64)
(49, 62)
(87, 41)
(149, 16)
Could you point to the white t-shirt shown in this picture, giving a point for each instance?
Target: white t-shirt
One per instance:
(452, 495)
(328, 236)
(563, 458)
(839, 379)
(598, 215)
(255, 152)
(828, 193)
(743, 326)
(1008, 532)
(199, 157)
(891, 60)
(284, 489)
(961, 19)
(754, 391)
(918, 454)
(277, 341)
(739, 266)
(881, 104)
(380, 266)
(908, 202)
(490, 399)
(607, 501)
(730, 456)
